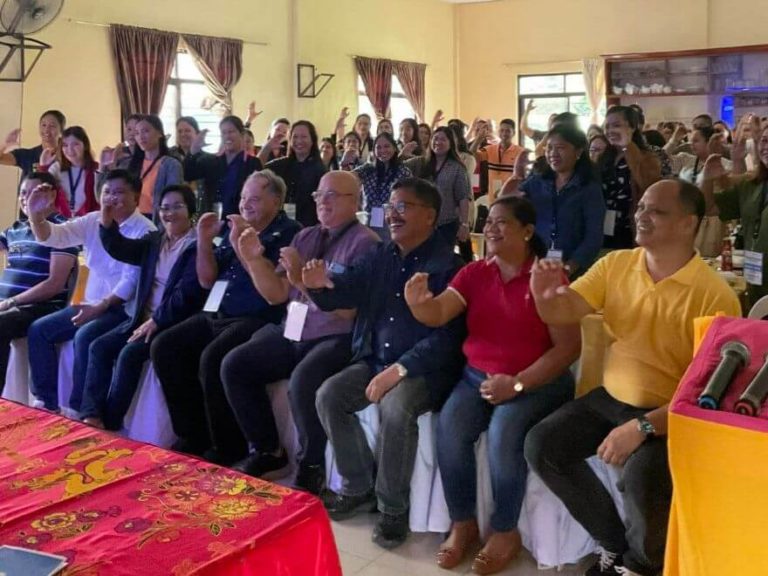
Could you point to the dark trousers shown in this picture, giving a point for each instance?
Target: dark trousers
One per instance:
(42, 337)
(338, 399)
(557, 449)
(187, 360)
(114, 369)
(14, 323)
(268, 357)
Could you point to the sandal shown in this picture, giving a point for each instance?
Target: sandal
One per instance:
(485, 563)
(448, 557)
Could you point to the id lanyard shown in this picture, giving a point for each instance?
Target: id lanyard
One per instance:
(73, 186)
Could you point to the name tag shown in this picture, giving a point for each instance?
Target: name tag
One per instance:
(377, 217)
(295, 320)
(336, 268)
(218, 207)
(290, 210)
(475, 180)
(553, 254)
(215, 296)
(753, 267)
(609, 224)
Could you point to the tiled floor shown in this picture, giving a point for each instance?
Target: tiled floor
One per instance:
(361, 557)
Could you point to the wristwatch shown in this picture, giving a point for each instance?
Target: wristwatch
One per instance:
(402, 371)
(518, 387)
(644, 425)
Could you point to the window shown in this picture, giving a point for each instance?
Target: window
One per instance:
(552, 94)
(185, 96)
(399, 106)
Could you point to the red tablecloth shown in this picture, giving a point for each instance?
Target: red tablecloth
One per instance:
(113, 506)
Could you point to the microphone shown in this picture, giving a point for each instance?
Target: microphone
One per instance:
(734, 355)
(752, 398)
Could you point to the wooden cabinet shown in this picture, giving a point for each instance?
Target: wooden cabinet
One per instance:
(702, 77)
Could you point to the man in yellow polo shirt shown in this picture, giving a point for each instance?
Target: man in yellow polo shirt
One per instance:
(649, 297)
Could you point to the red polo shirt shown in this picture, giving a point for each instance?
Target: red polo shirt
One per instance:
(505, 333)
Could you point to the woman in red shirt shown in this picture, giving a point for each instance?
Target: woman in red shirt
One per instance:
(516, 374)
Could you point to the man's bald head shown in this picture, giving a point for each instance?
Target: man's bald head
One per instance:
(337, 198)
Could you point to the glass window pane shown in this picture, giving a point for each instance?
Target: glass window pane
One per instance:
(192, 98)
(187, 69)
(397, 88)
(538, 119)
(551, 84)
(401, 109)
(169, 114)
(579, 106)
(574, 83)
(360, 85)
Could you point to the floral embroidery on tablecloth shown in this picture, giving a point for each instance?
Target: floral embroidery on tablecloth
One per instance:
(180, 496)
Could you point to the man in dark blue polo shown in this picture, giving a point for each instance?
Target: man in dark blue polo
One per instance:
(200, 413)
(405, 367)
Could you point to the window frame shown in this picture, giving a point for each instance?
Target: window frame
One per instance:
(392, 94)
(521, 98)
(178, 82)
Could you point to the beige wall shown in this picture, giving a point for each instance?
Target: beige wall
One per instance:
(501, 40)
(77, 75)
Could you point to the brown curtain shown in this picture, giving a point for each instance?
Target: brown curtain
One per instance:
(143, 60)
(411, 76)
(377, 79)
(220, 61)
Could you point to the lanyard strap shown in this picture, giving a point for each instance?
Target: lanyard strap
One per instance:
(326, 241)
(73, 185)
(148, 170)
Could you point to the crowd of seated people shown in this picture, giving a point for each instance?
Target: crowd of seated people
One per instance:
(344, 266)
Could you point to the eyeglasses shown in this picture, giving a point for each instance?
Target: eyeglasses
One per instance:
(331, 195)
(401, 206)
(172, 207)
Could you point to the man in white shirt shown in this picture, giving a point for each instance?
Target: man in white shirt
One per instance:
(111, 285)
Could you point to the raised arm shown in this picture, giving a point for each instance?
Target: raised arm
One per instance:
(207, 269)
(272, 287)
(11, 141)
(556, 303)
(431, 310)
(524, 127)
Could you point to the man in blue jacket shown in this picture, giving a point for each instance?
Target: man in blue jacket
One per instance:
(400, 364)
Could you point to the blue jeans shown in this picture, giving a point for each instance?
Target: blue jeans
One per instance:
(109, 391)
(464, 417)
(42, 337)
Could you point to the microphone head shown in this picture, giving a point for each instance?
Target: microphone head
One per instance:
(738, 349)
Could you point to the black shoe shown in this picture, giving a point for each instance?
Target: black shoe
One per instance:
(310, 479)
(391, 530)
(342, 507)
(191, 447)
(607, 563)
(266, 466)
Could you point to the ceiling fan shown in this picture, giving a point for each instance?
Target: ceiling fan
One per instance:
(18, 19)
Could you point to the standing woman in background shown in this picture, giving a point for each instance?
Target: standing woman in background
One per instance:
(301, 170)
(409, 139)
(385, 125)
(424, 136)
(444, 167)
(51, 124)
(223, 174)
(627, 168)
(377, 179)
(187, 129)
(153, 163)
(76, 172)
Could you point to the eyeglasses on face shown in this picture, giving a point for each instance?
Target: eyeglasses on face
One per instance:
(401, 206)
(178, 207)
(330, 195)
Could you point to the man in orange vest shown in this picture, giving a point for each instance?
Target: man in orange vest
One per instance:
(500, 157)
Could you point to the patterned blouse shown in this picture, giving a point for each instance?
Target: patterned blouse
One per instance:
(376, 190)
(617, 191)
